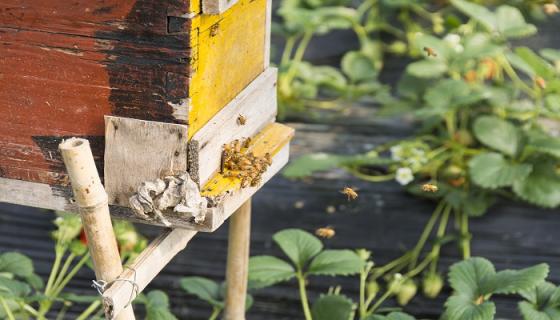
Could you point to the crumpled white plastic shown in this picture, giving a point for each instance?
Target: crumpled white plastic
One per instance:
(178, 193)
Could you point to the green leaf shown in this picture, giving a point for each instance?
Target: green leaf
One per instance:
(459, 307)
(515, 281)
(537, 64)
(544, 143)
(543, 302)
(498, 134)
(336, 262)
(78, 298)
(300, 246)
(333, 307)
(443, 94)
(552, 55)
(477, 12)
(358, 66)
(391, 316)
(467, 277)
(308, 164)
(35, 281)
(157, 306)
(267, 270)
(520, 64)
(426, 68)
(491, 170)
(204, 289)
(511, 23)
(478, 45)
(13, 288)
(16, 264)
(541, 187)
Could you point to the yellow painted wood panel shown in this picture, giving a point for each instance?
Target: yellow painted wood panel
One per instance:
(270, 140)
(229, 54)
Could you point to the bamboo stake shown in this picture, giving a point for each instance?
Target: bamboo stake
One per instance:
(238, 262)
(91, 198)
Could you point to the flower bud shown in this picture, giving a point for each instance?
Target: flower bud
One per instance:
(372, 288)
(407, 292)
(395, 283)
(432, 285)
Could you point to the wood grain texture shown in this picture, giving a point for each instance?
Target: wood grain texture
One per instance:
(256, 103)
(137, 151)
(237, 266)
(145, 268)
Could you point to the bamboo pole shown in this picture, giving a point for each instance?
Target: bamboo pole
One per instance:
(238, 262)
(91, 198)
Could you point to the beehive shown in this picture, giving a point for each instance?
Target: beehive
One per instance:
(64, 65)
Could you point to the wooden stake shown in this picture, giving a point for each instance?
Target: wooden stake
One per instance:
(94, 210)
(238, 262)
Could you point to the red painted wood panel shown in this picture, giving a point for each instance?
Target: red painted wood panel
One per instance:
(66, 64)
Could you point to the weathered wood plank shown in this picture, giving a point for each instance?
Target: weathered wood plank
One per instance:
(145, 268)
(256, 104)
(216, 6)
(137, 151)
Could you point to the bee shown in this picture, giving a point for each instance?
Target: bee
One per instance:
(540, 82)
(236, 145)
(430, 52)
(350, 193)
(428, 187)
(326, 232)
(241, 120)
(268, 158)
(551, 8)
(246, 143)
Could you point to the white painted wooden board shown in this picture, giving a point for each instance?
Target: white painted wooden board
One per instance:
(138, 151)
(216, 6)
(256, 103)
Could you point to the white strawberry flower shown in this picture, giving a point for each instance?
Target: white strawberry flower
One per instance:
(404, 176)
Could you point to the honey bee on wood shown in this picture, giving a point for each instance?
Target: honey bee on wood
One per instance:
(246, 143)
(326, 232)
(428, 187)
(241, 120)
(430, 52)
(350, 193)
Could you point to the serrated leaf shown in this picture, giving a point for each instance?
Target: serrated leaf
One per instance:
(16, 264)
(477, 12)
(358, 66)
(308, 164)
(498, 134)
(459, 307)
(336, 262)
(332, 307)
(391, 316)
(511, 23)
(543, 302)
(467, 277)
(300, 246)
(204, 289)
(491, 170)
(427, 68)
(157, 306)
(515, 281)
(545, 144)
(268, 270)
(537, 64)
(541, 187)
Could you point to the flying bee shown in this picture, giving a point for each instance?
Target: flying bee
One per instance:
(430, 52)
(540, 82)
(428, 187)
(326, 232)
(241, 120)
(350, 193)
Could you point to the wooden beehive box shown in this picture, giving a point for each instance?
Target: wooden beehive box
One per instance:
(65, 65)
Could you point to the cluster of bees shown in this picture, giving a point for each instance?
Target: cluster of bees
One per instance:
(243, 165)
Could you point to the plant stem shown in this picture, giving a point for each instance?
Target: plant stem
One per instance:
(303, 295)
(465, 241)
(89, 310)
(369, 178)
(513, 75)
(215, 313)
(298, 55)
(379, 301)
(363, 278)
(62, 312)
(440, 233)
(9, 313)
(395, 263)
(425, 234)
(70, 275)
(64, 269)
(288, 48)
(58, 254)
